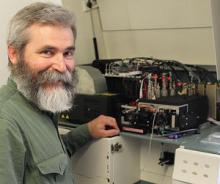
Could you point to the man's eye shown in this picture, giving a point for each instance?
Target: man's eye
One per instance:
(68, 54)
(47, 53)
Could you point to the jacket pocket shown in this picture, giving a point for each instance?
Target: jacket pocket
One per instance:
(53, 166)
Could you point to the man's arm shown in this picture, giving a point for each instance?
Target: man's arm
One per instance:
(76, 138)
(96, 128)
(12, 154)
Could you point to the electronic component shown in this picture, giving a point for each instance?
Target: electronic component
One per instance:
(135, 120)
(167, 93)
(175, 113)
(88, 107)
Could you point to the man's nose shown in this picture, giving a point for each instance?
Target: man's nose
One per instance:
(59, 64)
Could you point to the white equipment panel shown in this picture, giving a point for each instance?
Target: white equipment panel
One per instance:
(113, 160)
(196, 167)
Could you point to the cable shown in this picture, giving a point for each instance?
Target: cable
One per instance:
(152, 132)
(141, 87)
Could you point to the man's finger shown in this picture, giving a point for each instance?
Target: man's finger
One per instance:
(111, 132)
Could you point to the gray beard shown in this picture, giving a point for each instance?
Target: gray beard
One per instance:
(55, 100)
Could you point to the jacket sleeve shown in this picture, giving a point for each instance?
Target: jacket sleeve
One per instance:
(12, 153)
(76, 138)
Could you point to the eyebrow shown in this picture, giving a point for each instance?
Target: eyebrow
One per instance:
(71, 48)
(49, 47)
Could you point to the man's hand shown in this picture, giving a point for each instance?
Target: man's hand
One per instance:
(98, 127)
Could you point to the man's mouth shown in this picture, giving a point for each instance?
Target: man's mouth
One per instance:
(53, 84)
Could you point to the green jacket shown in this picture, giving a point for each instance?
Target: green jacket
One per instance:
(31, 150)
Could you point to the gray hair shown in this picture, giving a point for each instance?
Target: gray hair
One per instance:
(37, 13)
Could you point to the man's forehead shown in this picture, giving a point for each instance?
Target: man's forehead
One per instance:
(49, 35)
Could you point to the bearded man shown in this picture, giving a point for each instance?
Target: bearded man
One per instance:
(41, 46)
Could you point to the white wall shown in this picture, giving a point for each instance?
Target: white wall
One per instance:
(179, 30)
(8, 9)
(215, 4)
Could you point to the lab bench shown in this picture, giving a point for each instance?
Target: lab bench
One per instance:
(196, 142)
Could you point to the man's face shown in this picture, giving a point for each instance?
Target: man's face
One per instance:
(45, 72)
(50, 48)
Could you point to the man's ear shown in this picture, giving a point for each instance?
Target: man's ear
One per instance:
(12, 54)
